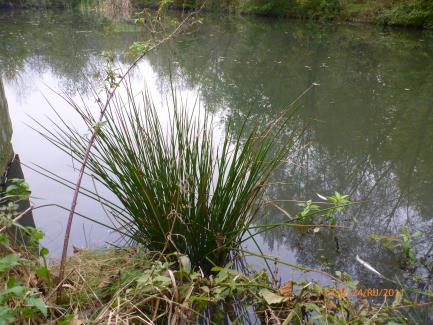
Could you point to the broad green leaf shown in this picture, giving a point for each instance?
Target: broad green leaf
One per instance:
(270, 297)
(14, 291)
(37, 303)
(37, 235)
(8, 262)
(44, 273)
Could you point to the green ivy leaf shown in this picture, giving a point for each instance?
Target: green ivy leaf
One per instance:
(44, 273)
(37, 235)
(14, 291)
(37, 303)
(163, 281)
(8, 262)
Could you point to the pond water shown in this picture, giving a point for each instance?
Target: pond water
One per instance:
(368, 126)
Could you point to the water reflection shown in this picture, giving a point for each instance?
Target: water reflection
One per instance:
(66, 44)
(370, 122)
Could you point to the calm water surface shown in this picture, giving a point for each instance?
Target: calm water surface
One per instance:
(369, 125)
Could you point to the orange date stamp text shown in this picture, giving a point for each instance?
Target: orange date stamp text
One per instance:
(363, 292)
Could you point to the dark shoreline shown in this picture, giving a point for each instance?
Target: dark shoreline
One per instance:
(343, 16)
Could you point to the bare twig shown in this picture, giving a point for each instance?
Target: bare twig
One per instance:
(92, 139)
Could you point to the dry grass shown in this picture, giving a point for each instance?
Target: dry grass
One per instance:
(106, 287)
(129, 286)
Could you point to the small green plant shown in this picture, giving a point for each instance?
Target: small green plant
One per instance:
(19, 269)
(408, 251)
(402, 244)
(338, 202)
(327, 209)
(138, 48)
(17, 190)
(18, 300)
(309, 210)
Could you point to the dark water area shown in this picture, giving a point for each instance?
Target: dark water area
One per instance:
(368, 126)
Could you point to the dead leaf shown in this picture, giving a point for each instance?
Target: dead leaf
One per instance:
(286, 289)
(65, 285)
(33, 280)
(331, 306)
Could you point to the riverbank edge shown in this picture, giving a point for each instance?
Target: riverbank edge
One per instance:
(129, 284)
(398, 15)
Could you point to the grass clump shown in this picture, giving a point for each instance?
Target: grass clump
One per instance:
(180, 190)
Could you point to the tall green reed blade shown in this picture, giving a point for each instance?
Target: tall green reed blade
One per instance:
(182, 192)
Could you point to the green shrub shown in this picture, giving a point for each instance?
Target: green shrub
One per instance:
(418, 13)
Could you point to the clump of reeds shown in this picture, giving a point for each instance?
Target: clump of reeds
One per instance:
(182, 192)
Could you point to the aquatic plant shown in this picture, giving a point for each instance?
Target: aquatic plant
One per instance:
(181, 192)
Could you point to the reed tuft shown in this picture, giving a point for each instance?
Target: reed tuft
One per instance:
(182, 192)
